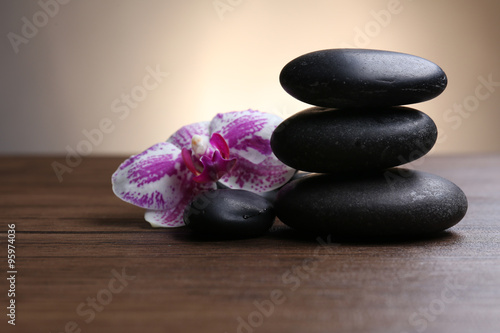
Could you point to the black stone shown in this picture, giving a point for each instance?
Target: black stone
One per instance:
(229, 213)
(329, 140)
(395, 202)
(342, 78)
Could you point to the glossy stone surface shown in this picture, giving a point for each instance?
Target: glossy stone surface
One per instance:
(229, 213)
(342, 78)
(329, 140)
(395, 202)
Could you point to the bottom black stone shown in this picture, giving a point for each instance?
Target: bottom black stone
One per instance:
(394, 202)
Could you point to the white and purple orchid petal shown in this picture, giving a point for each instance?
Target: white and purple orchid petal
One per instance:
(215, 168)
(246, 131)
(218, 142)
(154, 179)
(171, 218)
(183, 137)
(248, 134)
(266, 176)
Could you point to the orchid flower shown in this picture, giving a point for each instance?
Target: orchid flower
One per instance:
(233, 149)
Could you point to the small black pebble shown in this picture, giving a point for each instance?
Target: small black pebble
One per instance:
(229, 213)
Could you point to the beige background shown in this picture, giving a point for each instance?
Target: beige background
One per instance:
(64, 79)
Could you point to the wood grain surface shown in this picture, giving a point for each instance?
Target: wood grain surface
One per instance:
(87, 262)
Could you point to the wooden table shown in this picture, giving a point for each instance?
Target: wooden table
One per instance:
(87, 262)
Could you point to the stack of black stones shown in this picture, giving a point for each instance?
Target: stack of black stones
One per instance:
(353, 140)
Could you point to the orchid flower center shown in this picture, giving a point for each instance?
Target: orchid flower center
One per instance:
(208, 159)
(199, 144)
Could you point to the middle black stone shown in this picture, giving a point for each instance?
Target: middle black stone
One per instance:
(330, 140)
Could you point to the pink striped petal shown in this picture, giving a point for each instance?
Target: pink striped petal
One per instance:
(154, 179)
(182, 138)
(265, 176)
(248, 134)
(171, 218)
(244, 130)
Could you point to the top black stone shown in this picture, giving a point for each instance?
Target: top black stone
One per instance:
(340, 78)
